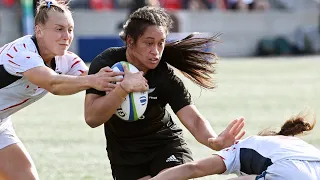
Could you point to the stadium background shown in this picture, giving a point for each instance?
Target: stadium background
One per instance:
(265, 90)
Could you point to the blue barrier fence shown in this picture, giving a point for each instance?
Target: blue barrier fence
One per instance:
(90, 47)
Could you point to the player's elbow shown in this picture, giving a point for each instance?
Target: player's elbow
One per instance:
(55, 91)
(91, 121)
(91, 124)
(52, 89)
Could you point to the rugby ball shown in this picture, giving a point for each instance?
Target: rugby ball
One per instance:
(135, 104)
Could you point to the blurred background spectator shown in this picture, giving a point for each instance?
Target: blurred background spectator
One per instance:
(80, 4)
(248, 4)
(7, 3)
(198, 4)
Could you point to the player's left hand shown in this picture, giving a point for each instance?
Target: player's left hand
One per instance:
(228, 136)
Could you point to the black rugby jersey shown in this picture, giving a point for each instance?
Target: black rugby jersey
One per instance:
(139, 141)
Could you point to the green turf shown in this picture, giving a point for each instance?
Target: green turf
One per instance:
(264, 91)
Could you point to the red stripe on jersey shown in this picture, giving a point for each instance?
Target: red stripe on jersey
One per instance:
(24, 45)
(69, 52)
(15, 49)
(15, 105)
(75, 63)
(9, 55)
(75, 58)
(28, 57)
(13, 63)
(81, 71)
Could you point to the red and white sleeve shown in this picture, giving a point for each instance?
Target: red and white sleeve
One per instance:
(16, 63)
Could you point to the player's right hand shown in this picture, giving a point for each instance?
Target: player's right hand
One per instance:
(105, 79)
(133, 82)
(229, 136)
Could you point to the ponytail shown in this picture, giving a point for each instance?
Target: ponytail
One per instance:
(295, 126)
(292, 127)
(188, 56)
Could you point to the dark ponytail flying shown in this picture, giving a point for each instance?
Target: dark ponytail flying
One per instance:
(189, 56)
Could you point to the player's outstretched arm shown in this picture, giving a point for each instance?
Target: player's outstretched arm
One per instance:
(208, 166)
(57, 84)
(201, 129)
(198, 126)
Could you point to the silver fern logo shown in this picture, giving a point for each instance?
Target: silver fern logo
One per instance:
(151, 90)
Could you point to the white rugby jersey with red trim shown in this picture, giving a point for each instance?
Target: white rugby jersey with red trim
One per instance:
(16, 92)
(255, 154)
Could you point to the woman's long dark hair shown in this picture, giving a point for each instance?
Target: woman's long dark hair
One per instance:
(294, 126)
(187, 55)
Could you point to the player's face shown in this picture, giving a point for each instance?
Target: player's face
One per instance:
(149, 47)
(57, 33)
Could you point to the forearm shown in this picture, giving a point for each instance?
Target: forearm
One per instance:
(198, 126)
(202, 131)
(57, 84)
(101, 109)
(67, 85)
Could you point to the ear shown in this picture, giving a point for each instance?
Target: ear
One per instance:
(38, 30)
(129, 42)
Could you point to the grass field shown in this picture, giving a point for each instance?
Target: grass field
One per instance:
(264, 91)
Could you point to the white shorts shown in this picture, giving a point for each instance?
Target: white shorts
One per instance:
(8, 135)
(292, 170)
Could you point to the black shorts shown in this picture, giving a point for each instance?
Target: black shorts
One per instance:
(165, 158)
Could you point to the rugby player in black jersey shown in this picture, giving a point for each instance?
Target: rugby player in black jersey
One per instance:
(142, 149)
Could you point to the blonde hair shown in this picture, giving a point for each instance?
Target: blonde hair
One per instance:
(44, 6)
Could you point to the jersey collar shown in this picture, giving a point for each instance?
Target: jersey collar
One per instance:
(53, 61)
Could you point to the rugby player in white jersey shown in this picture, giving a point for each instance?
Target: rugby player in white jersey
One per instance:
(30, 67)
(269, 156)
